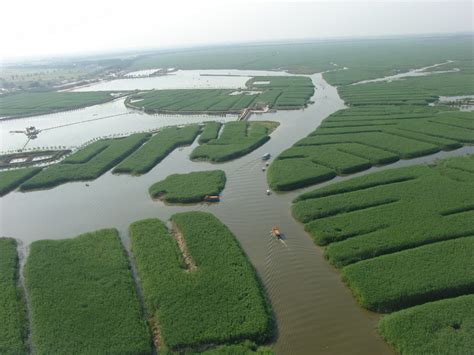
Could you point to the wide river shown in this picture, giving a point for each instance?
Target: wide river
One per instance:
(315, 311)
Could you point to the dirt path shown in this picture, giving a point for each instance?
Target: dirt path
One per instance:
(188, 260)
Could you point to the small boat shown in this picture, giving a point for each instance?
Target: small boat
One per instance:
(263, 168)
(276, 232)
(212, 198)
(268, 192)
(266, 156)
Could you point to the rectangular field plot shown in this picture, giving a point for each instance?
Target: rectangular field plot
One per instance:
(415, 276)
(237, 139)
(86, 164)
(156, 149)
(37, 103)
(189, 188)
(274, 92)
(380, 213)
(198, 283)
(83, 299)
(13, 327)
(10, 180)
(437, 327)
(357, 138)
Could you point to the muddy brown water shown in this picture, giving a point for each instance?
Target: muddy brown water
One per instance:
(315, 311)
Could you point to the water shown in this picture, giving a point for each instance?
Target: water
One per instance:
(412, 73)
(315, 312)
(184, 79)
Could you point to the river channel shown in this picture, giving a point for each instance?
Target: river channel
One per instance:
(315, 311)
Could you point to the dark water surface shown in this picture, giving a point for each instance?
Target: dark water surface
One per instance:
(316, 313)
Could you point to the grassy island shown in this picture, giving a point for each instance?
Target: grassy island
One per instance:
(189, 188)
(273, 92)
(39, 103)
(358, 138)
(157, 148)
(11, 179)
(403, 238)
(237, 139)
(13, 327)
(83, 298)
(86, 164)
(198, 283)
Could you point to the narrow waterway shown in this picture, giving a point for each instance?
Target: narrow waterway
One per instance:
(315, 311)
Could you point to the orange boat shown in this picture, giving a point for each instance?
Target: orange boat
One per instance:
(212, 198)
(276, 232)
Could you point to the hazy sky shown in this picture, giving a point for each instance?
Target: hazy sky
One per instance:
(50, 27)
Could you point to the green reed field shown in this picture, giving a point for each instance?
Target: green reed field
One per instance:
(189, 188)
(38, 103)
(86, 164)
(13, 327)
(83, 298)
(403, 237)
(157, 148)
(11, 179)
(217, 301)
(237, 139)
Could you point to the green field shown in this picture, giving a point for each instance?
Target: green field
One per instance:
(380, 213)
(276, 93)
(189, 188)
(358, 138)
(28, 104)
(389, 283)
(403, 237)
(210, 131)
(157, 148)
(86, 164)
(237, 139)
(412, 90)
(13, 327)
(441, 327)
(83, 299)
(207, 295)
(364, 58)
(11, 179)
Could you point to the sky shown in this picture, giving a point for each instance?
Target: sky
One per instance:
(32, 28)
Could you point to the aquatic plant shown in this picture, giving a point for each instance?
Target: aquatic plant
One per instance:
(96, 163)
(157, 148)
(410, 277)
(189, 188)
(433, 328)
(216, 301)
(210, 131)
(237, 139)
(38, 103)
(11, 179)
(83, 298)
(358, 138)
(13, 326)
